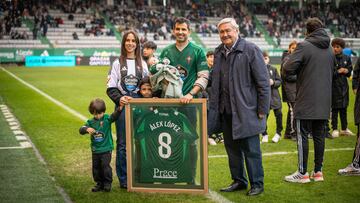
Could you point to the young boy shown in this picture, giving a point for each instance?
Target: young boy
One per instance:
(99, 127)
(145, 88)
(275, 100)
(340, 88)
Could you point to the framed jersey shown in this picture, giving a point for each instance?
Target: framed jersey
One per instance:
(166, 145)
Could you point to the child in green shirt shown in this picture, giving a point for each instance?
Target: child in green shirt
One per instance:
(99, 127)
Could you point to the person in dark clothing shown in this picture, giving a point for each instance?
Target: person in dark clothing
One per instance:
(354, 167)
(240, 99)
(214, 131)
(340, 88)
(99, 127)
(313, 64)
(275, 101)
(288, 94)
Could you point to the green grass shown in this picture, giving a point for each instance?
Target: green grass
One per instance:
(55, 133)
(23, 177)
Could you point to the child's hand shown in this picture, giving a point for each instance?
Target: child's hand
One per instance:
(90, 130)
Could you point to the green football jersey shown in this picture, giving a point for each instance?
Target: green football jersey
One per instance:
(164, 138)
(189, 62)
(101, 141)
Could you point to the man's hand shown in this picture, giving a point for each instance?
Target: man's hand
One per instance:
(186, 99)
(261, 115)
(271, 82)
(124, 100)
(343, 71)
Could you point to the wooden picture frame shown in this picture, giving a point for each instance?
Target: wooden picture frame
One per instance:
(199, 185)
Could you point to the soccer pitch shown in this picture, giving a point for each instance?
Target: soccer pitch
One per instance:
(54, 131)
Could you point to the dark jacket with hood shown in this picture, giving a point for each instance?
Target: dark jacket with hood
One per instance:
(288, 83)
(313, 63)
(340, 87)
(249, 88)
(275, 101)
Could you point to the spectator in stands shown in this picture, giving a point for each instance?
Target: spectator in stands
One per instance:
(275, 101)
(340, 88)
(149, 48)
(240, 98)
(122, 92)
(289, 94)
(312, 63)
(75, 36)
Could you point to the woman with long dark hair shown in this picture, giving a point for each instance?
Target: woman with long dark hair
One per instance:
(123, 84)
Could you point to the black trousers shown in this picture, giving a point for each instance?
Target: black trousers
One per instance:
(242, 151)
(278, 117)
(317, 128)
(290, 130)
(101, 169)
(356, 156)
(343, 118)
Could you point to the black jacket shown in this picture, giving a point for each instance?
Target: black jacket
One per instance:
(313, 64)
(340, 87)
(288, 89)
(275, 100)
(355, 85)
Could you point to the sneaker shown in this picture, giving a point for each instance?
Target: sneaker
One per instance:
(107, 188)
(276, 138)
(335, 133)
(350, 170)
(211, 141)
(265, 138)
(219, 138)
(97, 188)
(317, 177)
(297, 177)
(346, 132)
(329, 136)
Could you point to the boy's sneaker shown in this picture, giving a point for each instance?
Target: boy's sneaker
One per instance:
(219, 138)
(276, 138)
(97, 188)
(335, 133)
(350, 170)
(346, 132)
(211, 141)
(297, 177)
(317, 177)
(265, 138)
(107, 188)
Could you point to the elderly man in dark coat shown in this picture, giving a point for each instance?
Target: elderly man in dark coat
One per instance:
(313, 64)
(240, 98)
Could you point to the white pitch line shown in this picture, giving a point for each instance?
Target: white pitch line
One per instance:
(285, 153)
(217, 197)
(60, 104)
(19, 147)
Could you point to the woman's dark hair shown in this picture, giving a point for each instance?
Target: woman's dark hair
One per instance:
(123, 53)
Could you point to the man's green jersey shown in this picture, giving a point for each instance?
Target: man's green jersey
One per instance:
(102, 140)
(189, 62)
(164, 138)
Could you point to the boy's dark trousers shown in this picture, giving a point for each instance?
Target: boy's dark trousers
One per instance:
(101, 169)
(334, 118)
(278, 117)
(356, 156)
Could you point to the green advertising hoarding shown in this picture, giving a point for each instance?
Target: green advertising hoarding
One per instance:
(9, 55)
